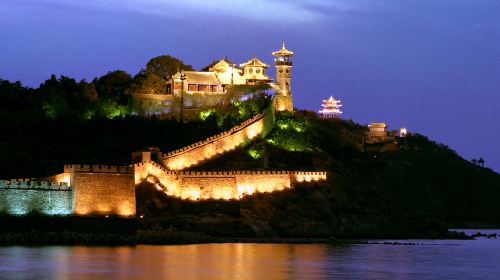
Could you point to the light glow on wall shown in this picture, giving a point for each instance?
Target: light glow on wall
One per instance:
(225, 185)
(25, 201)
(229, 140)
(245, 190)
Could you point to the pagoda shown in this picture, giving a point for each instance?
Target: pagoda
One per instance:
(331, 108)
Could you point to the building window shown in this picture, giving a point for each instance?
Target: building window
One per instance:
(250, 71)
(288, 70)
(281, 70)
(257, 71)
(203, 88)
(192, 87)
(215, 88)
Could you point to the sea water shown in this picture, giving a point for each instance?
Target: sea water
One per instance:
(379, 259)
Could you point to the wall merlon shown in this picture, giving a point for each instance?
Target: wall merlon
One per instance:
(34, 185)
(220, 143)
(128, 169)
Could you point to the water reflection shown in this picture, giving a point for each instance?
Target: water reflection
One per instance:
(431, 259)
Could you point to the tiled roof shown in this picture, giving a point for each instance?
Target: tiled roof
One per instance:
(283, 52)
(215, 62)
(379, 125)
(204, 78)
(254, 62)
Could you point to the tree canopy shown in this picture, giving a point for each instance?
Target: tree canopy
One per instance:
(108, 96)
(165, 66)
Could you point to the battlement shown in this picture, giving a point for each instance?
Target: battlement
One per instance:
(99, 169)
(221, 143)
(34, 185)
(200, 185)
(156, 165)
(304, 176)
(249, 172)
(218, 136)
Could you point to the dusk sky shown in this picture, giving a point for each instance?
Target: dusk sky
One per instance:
(432, 66)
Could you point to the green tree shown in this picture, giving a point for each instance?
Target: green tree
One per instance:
(148, 83)
(165, 66)
(88, 91)
(61, 97)
(115, 84)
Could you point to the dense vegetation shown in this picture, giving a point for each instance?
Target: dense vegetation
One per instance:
(408, 187)
(108, 96)
(64, 121)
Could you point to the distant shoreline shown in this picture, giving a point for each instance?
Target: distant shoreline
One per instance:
(37, 238)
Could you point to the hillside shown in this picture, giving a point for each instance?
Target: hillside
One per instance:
(409, 188)
(412, 187)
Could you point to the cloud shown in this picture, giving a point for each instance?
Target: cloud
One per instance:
(286, 11)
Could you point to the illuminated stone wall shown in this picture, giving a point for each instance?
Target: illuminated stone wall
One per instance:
(284, 103)
(154, 173)
(21, 198)
(102, 190)
(216, 145)
(196, 185)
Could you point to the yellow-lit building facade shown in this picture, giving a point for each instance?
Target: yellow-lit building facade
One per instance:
(208, 87)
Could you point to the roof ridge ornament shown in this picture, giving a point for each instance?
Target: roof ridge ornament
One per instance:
(283, 51)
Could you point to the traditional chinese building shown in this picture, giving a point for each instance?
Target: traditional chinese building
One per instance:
(331, 108)
(377, 132)
(208, 87)
(254, 72)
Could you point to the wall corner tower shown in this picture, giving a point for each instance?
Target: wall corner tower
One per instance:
(283, 64)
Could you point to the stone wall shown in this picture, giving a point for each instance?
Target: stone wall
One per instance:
(216, 145)
(196, 185)
(283, 103)
(102, 190)
(24, 197)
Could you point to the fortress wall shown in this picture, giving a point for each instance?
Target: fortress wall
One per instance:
(37, 198)
(283, 103)
(262, 183)
(103, 190)
(302, 176)
(166, 180)
(221, 143)
(206, 187)
(64, 177)
(202, 185)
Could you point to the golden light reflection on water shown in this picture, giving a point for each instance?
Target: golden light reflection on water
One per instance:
(206, 261)
(431, 259)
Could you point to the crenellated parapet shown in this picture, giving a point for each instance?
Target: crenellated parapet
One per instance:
(315, 176)
(219, 144)
(127, 169)
(34, 185)
(200, 185)
(217, 136)
(305, 176)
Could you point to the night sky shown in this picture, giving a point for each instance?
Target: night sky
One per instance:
(431, 66)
